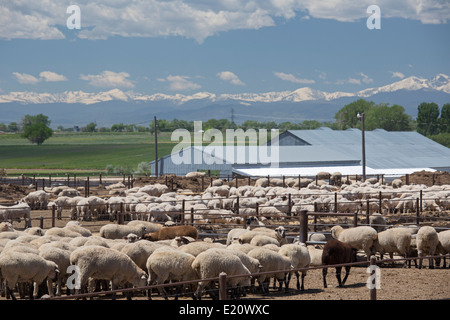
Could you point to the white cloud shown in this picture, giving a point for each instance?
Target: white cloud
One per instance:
(25, 78)
(291, 78)
(397, 74)
(49, 76)
(180, 83)
(365, 78)
(109, 79)
(31, 19)
(231, 77)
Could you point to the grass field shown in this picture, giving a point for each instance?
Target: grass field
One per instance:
(67, 152)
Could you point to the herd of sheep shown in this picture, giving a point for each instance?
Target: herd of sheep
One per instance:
(152, 248)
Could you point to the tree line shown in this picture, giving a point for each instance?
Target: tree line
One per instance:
(431, 121)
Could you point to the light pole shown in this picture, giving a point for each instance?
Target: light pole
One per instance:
(361, 117)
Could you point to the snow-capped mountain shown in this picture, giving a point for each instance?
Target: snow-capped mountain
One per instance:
(114, 106)
(439, 83)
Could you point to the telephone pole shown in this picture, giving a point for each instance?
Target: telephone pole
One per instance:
(155, 128)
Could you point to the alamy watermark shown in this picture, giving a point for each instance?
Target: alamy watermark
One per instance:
(235, 147)
(374, 20)
(74, 20)
(374, 280)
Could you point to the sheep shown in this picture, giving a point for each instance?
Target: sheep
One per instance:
(271, 261)
(211, 264)
(315, 255)
(394, 240)
(62, 232)
(195, 248)
(16, 212)
(377, 221)
(102, 263)
(149, 226)
(118, 231)
(427, 241)
(171, 265)
(37, 200)
(363, 237)
(76, 226)
(278, 234)
(139, 251)
(62, 259)
(23, 267)
(262, 240)
(299, 256)
(6, 227)
(166, 233)
(444, 244)
(337, 252)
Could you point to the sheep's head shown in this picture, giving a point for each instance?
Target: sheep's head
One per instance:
(281, 231)
(335, 231)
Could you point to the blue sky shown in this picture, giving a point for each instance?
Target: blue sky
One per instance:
(274, 46)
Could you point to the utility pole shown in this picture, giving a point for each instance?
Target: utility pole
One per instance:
(363, 142)
(155, 128)
(232, 119)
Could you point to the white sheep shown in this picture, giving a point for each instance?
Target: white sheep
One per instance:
(62, 232)
(195, 248)
(444, 243)
(262, 240)
(211, 264)
(363, 237)
(149, 226)
(102, 263)
(394, 240)
(427, 241)
(37, 200)
(173, 265)
(299, 256)
(23, 267)
(119, 231)
(315, 255)
(271, 261)
(139, 251)
(16, 212)
(62, 259)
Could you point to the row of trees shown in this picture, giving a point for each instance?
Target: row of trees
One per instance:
(431, 122)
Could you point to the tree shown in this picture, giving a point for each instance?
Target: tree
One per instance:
(388, 118)
(37, 133)
(35, 128)
(444, 120)
(346, 117)
(91, 127)
(427, 118)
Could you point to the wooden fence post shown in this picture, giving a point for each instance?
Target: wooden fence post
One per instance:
(53, 215)
(222, 286)
(303, 226)
(373, 284)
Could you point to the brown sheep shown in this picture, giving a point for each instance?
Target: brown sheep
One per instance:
(167, 233)
(337, 252)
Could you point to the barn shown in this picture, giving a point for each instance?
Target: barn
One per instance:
(307, 152)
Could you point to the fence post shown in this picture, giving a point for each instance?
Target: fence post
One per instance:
(289, 213)
(41, 222)
(53, 215)
(355, 219)
(120, 217)
(421, 198)
(373, 289)
(222, 286)
(303, 226)
(417, 211)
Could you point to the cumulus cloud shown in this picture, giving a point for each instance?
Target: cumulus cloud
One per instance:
(291, 78)
(396, 74)
(180, 83)
(230, 77)
(364, 79)
(109, 79)
(193, 19)
(25, 78)
(49, 76)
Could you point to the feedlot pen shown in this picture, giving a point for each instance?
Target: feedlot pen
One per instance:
(397, 283)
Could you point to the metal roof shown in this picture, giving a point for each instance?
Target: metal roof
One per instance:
(384, 150)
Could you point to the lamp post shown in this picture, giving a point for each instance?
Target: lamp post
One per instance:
(361, 117)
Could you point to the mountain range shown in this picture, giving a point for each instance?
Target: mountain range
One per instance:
(114, 106)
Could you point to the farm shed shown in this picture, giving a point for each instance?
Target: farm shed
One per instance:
(307, 152)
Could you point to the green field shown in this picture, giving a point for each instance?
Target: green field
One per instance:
(69, 152)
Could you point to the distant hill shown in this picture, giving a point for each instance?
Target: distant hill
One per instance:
(115, 106)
